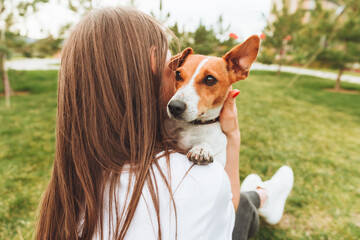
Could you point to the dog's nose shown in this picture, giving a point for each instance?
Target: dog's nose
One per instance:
(176, 107)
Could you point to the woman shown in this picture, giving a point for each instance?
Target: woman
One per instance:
(117, 172)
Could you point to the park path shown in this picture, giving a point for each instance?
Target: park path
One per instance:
(303, 71)
(34, 64)
(53, 64)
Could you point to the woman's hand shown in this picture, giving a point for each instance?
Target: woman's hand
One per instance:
(228, 116)
(230, 126)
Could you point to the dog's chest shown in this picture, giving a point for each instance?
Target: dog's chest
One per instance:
(196, 134)
(211, 135)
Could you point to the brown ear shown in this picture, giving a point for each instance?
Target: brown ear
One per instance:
(240, 58)
(178, 60)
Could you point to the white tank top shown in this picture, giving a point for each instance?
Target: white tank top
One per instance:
(202, 197)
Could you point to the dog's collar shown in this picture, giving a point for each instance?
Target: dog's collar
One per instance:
(199, 122)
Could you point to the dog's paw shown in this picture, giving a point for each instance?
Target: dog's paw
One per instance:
(200, 155)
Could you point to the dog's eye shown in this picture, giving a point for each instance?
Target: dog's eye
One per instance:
(210, 80)
(178, 76)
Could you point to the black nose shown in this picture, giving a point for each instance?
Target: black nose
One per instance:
(176, 107)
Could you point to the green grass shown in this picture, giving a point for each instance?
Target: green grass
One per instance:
(313, 131)
(26, 150)
(317, 134)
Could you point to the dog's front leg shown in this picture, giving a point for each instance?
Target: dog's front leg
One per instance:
(201, 154)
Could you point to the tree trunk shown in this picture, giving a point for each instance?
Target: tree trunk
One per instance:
(327, 41)
(3, 71)
(338, 81)
(5, 79)
(279, 69)
(281, 53)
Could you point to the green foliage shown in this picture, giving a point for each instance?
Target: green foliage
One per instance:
(336, 59)
(17, 45)
(4, 49)
(343, 48)
(14, 44)
(285, 24)
(314, 33)
(182, 40)
(281, 34)
(225, 46)
(10, 13)
(313, 131)
(14, 40)
(266, 56)
(204, 40)
(43, 47)
(335, 31)
(330, 36)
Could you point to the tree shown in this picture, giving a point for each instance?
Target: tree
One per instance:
(331, 37)
(11, 11)
(42, 48)
(345, 47)
(204, 40)
(319, 32)
(281, 33)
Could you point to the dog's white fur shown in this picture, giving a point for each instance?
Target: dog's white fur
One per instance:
(201, 138)
(209, 138)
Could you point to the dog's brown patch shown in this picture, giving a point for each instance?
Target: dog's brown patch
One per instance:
(232, 67)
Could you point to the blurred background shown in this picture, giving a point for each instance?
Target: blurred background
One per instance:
(300, 106)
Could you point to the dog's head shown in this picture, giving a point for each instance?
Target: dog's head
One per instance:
(202, 82)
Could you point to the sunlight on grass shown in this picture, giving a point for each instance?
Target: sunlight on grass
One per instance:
(313, 131)
(317, 134)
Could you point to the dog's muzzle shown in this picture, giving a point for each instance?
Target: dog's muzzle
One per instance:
(176, 108)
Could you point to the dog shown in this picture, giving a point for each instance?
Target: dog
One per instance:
(202, 86)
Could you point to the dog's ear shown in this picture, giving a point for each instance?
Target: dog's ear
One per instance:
(178, 60)
(240, 58)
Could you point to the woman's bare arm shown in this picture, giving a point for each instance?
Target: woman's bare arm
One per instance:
(230, 126)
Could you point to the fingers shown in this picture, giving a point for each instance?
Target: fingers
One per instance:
(228, 115)
(236, 93)
(230, 100)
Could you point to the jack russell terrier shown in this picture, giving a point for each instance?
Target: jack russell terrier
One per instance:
(202, 86)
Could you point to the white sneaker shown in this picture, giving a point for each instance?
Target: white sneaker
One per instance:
(278, 189)
(250, 183)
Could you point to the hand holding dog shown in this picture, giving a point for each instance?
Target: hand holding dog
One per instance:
(228, 116)
(230, 126)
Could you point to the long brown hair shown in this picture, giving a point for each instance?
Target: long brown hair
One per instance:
(109, 115)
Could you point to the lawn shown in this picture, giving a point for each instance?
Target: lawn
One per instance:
(315, 132)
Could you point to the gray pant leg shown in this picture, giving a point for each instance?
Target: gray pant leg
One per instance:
(247, 218)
